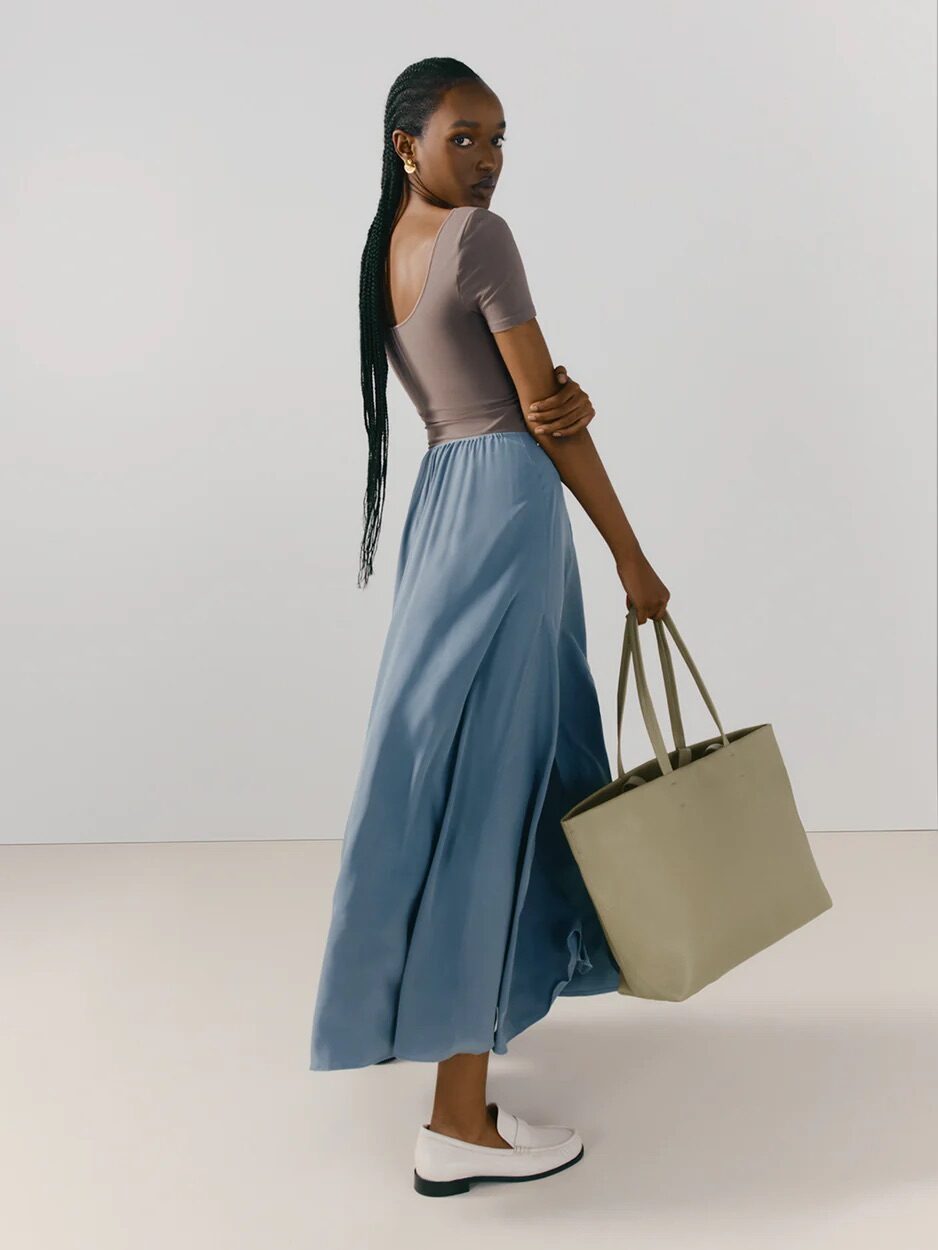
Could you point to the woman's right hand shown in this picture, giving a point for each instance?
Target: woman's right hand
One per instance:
(644, 589)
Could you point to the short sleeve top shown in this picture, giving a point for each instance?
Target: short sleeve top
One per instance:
(443, 352)
(490, 275)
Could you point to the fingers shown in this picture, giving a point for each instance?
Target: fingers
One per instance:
(648, 614)
(564, 425)
(577, 424)
(569, 410)
(561, 420)
(564, 413)
(565, 400)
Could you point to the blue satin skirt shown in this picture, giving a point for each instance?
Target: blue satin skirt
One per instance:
(459, 913)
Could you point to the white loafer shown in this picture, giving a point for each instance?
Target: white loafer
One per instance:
(447, 1165)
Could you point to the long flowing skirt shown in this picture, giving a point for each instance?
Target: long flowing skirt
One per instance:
(459, 913)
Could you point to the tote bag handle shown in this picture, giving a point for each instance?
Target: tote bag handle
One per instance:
(631, 647)
(684, 755)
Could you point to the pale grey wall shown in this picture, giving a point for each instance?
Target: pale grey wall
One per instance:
(727, 212)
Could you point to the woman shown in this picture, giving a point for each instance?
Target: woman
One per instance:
(459, 913)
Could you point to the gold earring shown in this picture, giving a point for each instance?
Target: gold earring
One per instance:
(409, 165)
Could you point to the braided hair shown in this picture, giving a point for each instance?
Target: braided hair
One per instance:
(412, 99)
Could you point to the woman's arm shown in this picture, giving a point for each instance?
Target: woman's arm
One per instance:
(527, 359)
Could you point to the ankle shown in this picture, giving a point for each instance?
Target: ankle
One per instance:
(466, 1128)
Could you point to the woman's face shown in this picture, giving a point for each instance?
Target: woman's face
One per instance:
(461, 146)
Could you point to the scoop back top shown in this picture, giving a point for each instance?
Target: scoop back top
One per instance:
(443, 351)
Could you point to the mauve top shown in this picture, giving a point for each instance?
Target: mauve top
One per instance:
(443, 352)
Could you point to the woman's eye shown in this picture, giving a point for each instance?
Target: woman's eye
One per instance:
(456, 138)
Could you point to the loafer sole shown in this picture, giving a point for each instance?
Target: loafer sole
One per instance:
(444, 1189)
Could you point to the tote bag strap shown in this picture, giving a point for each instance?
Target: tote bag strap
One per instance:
(670, 689)
(670, 686)
(632, 647)
(688, 660)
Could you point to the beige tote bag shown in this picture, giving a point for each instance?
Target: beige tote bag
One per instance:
(697, 859)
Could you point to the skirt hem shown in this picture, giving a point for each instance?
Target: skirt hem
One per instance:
(470, 1048)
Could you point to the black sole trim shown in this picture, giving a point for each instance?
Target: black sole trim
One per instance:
(444, 1189)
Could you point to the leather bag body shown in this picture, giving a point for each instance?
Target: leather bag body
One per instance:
(697, 859)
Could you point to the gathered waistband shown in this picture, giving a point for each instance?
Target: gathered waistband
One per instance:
(471, 438)
(532, 449)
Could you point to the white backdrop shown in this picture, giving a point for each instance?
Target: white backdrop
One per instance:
(727, 214)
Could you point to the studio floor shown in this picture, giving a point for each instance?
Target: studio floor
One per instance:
(157, 1005)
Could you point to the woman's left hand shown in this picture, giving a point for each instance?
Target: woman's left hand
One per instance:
(564, 413)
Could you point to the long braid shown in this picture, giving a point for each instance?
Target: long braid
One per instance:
(413, 96)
